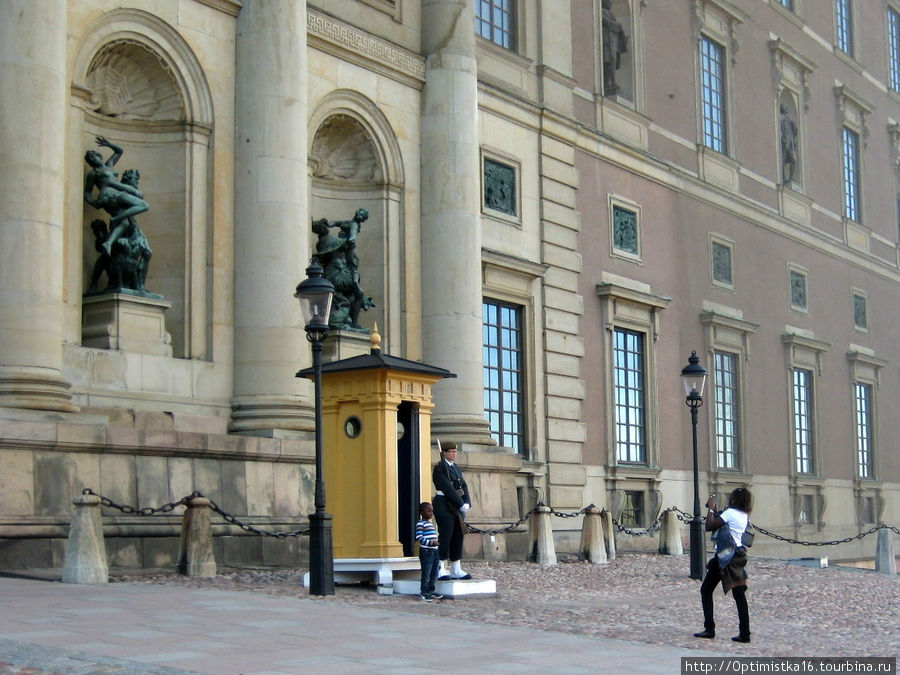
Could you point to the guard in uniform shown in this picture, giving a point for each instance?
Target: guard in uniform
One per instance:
(451, 502)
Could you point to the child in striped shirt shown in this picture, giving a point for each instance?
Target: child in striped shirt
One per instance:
(429, 560)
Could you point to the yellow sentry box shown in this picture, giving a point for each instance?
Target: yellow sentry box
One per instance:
(376, 417)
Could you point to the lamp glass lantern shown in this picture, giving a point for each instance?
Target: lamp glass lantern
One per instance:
(315, 294)
(693, 376)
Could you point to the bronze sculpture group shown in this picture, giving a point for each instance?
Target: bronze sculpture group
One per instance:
(124, 250)
(338, 257)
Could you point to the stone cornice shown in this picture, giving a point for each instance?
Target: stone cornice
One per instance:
(231, 7)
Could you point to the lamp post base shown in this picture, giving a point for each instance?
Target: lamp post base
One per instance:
(697, 562)
(321, 554)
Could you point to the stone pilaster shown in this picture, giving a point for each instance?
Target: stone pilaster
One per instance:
(451, 219)
(33, 106)
(564, 306)
(271, 217)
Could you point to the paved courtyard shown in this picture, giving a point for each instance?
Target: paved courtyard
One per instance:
(635, 614)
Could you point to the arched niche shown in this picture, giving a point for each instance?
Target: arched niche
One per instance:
(624, 78)
(789, 140)
(355, 162)
(137, 83)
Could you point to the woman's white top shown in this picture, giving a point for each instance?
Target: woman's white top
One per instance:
(736, 520)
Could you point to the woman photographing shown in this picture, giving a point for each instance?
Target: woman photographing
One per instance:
(729, 563)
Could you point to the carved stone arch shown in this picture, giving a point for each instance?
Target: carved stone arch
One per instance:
(355, 162)
(353, 109)
(156, 36)
(137, 81)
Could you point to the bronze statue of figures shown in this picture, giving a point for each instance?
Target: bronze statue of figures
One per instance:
(615, 43)
(124, 250)
(340, 262)
(788, 146)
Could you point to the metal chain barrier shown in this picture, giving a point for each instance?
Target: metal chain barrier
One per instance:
(686, 517)
(650, 530)
(682, 515)
(166, 508)
(148, 511)
(823, 543)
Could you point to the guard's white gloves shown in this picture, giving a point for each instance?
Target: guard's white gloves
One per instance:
(464, 508)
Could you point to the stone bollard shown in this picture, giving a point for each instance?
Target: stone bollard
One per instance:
(543, 550)
(85, 561)
(195, 552)
(609, 534)
(592, 547)
(670, 535)
(885, 561)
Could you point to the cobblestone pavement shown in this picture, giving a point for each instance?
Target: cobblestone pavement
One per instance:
(794, 610)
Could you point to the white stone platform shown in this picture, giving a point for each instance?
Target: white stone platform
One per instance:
(383, 571)
(452, 589)
(401, 576)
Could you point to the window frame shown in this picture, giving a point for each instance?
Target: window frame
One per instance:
(726, 331)
(629, 395)
(727, 382)
(515, 281)
(803, 407)
(511, 10)
(851, 174)
(845, 27)
(865, 370)
(864, 425)
(717, 142)
(630, 305)
(510, 401)
(893, 47)
(804, 353)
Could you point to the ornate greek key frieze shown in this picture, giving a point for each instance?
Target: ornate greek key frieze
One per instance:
(351, 38)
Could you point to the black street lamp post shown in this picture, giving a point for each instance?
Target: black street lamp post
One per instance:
(315, 294)
(693, 377)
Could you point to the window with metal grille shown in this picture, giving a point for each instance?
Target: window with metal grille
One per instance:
(495, 20)
(726, 411)
(843, 13)
(894, 46)
(806, 515)
(632, 509)
(803, 420)
(864, 429)
(628, 393)
(712, 91)
(504, 379)
(850, 158)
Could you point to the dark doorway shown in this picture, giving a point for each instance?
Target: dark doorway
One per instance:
(407, 474)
